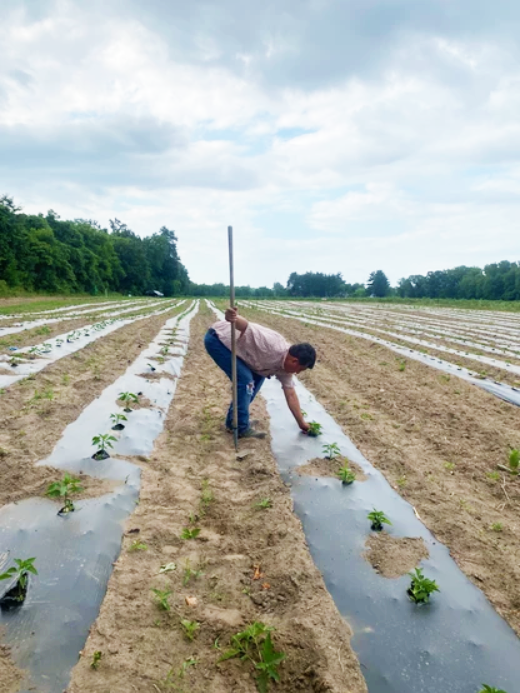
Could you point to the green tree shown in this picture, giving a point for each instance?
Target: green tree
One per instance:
(378, 284)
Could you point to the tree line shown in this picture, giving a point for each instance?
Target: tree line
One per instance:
(49, 255)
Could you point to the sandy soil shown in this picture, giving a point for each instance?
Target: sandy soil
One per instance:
(35, 411)
(323, 466)
(254, 565)
(10, 676)
(437, 441)
(394, 556)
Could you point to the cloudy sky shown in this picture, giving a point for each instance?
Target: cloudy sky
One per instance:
(334, 135)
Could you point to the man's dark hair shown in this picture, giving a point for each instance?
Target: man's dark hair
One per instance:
(305, 353)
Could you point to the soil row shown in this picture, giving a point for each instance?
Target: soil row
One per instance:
(35, 411)
(174, 602)
(38, 335)
(475, 366)
(437, 440)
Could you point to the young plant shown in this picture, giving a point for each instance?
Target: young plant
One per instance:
(314, 429)
(490, 689)
(264, 504)
(188, 533)
(103, 441)
(152, 368)
(128, 398)
(117, 421)
(190, 573)
(402, 365)
(346, 475)
(206, 495)
(331, 450)
(138, 546)
(63, 489)
(254, 644)
(421, 587)
(514, 461)
(20, 573)
(190, 628)
(96, 658)
(161, 598)
(378, 519)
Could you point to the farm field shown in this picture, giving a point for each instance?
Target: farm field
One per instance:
(438, 439)
(194, 544)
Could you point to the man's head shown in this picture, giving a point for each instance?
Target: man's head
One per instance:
(299, 358)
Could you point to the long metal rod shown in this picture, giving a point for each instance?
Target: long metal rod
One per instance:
(233, 338)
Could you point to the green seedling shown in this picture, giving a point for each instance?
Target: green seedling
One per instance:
(497, 527)
(63, 489)
(314, 429)
(152, 368)
(514, 461)
(103, 441)
(161, 598)
(493, 476)
(254, 644)
(264, 504)
(206, 495)
(191, 662)
(490, 689)
(137, 546)
(378, 519)
(346, 475)
(421, 587)
(96, 658)
(188, 533)
(190, 573)
(128, 398)
(402, 365)
(190, 628)
(117, 421)
(20, 572)
(331, 450)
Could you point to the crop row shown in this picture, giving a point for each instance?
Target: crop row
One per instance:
(30, 360)
(78, 548)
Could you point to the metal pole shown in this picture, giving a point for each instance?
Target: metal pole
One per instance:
(233, 338)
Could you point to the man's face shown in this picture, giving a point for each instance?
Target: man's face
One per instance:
(292, 365)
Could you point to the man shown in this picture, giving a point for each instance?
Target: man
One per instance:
(261, 353)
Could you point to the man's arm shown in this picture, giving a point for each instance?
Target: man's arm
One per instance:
(294, 405)
(232, 315)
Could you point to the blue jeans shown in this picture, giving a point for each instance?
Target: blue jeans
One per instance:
(248, 382)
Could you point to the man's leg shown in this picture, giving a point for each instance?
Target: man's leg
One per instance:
(258, 381)
(245, 380)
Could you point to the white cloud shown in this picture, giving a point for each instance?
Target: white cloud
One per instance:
(404, 152)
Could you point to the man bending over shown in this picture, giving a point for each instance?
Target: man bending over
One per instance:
(261, 353)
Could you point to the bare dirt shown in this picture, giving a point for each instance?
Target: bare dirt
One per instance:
(393, 557)
(246, 565)
(35, 411)
(437, 441)
(10, 677)
(323, 466)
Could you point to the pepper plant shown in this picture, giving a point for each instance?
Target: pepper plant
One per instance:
(128, 398)
(331, 450)
(378, 519)
(421, 587)
(117, 421)
(21, 572)
(346, 475)
(314, 429)
(254, 644)
(103, 441)
(514, 461)
(63, 489)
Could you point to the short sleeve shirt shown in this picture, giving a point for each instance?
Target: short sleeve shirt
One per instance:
(262, 349)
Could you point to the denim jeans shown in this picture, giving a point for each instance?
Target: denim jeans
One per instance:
(248, 382)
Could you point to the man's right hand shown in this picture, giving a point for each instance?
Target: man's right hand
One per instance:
(231, 314)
